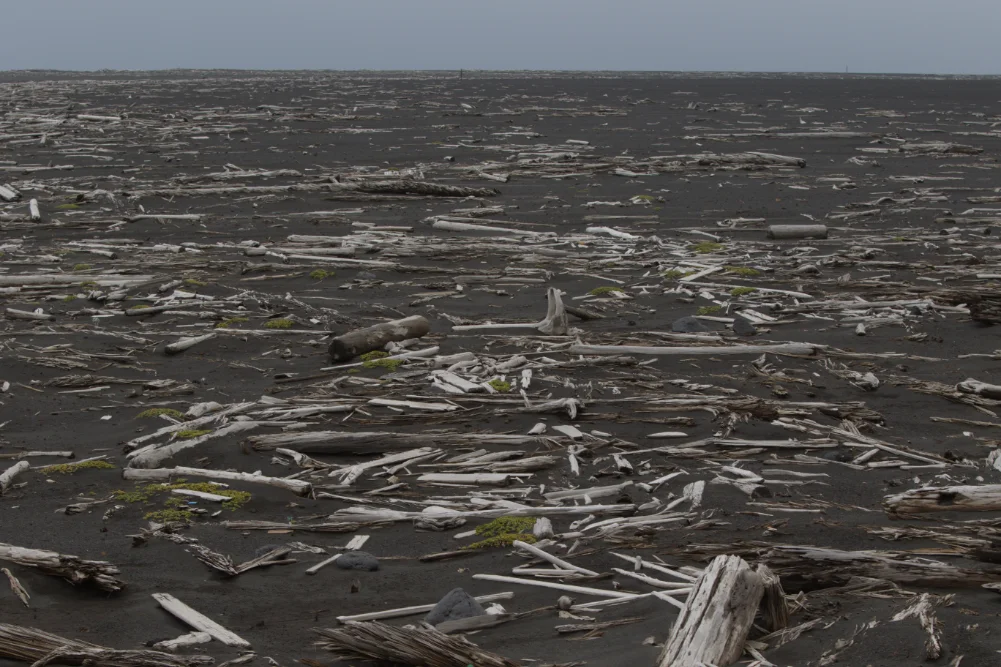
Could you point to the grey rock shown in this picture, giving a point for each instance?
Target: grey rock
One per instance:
(742, 327)
(456, 605)
(841, 455)
(357, 560)
(688, 325)
(366, 275)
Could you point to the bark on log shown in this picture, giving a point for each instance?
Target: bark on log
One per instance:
(780, 232)
(984, 498)
(358, 342)
(713, 626)
(773, 605)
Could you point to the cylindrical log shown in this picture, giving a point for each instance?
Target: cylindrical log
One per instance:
(985, 498)
(358, 342)
(33, 211)
(781, 232)
(979, 388)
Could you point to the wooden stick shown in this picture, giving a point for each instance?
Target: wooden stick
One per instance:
(199, 621)
(558, 562)
(355, 343)
(33, 211)
(597, 592)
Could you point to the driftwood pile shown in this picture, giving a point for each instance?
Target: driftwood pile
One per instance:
(642, 407)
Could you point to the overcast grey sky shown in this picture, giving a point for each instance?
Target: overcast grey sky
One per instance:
(919, 36)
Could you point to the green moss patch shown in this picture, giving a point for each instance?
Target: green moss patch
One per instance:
(605, 291)
(742, 271)
(70, 468)
(280, 323)
(502, 540)
(706, 247)
(503, 525)
(145, 493)
(741, 291)
(188, 434)
(156, 412)
(500, 385)
(391, 364)
(230, 321)
(320, 274)
(707, 310)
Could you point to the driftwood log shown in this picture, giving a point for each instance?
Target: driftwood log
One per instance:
(418, 646)
(358, 342)
(971, 386)
(42, 648)
(713, 626)
(71, 568)
(984, 498)
(8, 475)
(781, 232)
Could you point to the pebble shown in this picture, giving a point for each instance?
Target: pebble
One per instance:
(357, 560)
(457, 604)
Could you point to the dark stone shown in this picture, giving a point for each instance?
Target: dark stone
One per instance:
(842, 455)
(268, 548)
(742, 327)
(688, 325)
(357, 560)
(456, 605)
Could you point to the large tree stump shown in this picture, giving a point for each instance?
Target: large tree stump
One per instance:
(713, 626)
(358, 342)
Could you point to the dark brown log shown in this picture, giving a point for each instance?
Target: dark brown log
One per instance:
(370, 339)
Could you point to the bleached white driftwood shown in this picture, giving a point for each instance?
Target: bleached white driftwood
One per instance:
(780, 232)
(199, 621)
(33, 211)
(985, 498)
(184, 641)
(713, 626)
(416, 609)
(187, 343)
(297, 486)
(804, 349)
(8, 475)
(555, 323)
(584, 590)
(357, 542)
(923, 609)
(558, 562)
(465, 478)
(152, 457)
(971, 386)
(352, 473)
(16, 314)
